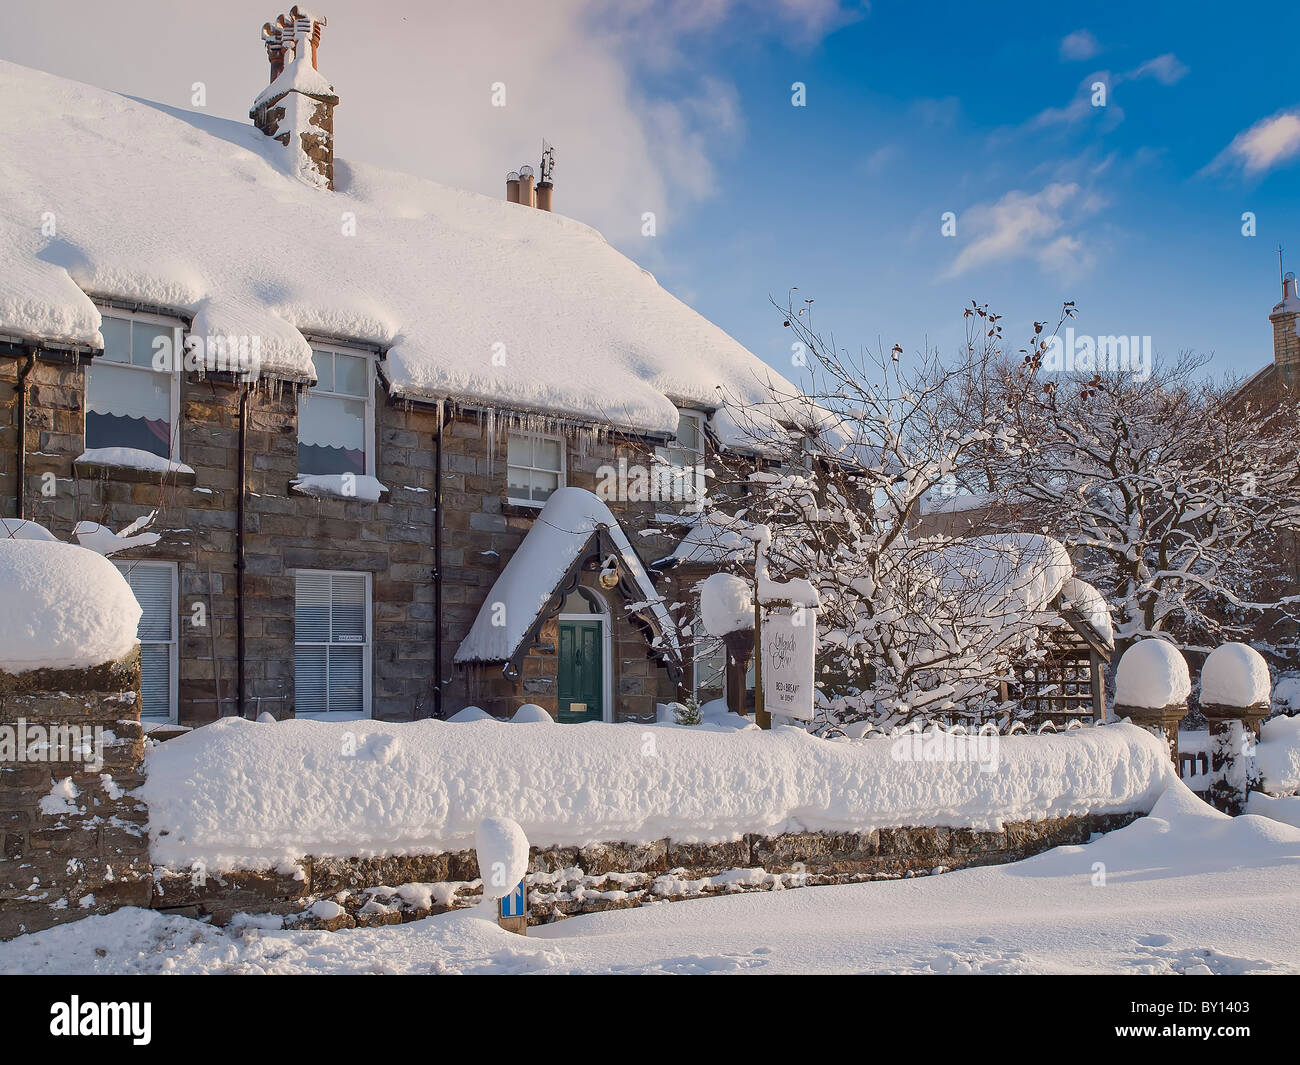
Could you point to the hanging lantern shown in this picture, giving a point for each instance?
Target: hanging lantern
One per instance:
(609, 573)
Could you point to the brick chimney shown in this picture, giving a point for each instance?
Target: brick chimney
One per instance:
(297, 107)
(520, 188)
(1286, 332)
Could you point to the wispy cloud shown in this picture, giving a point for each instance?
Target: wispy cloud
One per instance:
(1166, 69)
(1079, 45)
(1270, 142)
(1023, 225)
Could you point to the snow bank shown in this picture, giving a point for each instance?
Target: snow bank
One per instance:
(1235, 674)
(1277, 755)
(188, 211)
(237, 794)
(65, 607)
(1152, 674)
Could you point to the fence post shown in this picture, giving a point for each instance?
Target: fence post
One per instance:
(1235, 700)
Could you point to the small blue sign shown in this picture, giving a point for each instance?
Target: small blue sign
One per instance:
(516, 903)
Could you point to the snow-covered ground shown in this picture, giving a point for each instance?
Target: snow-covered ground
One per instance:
(1184, 890)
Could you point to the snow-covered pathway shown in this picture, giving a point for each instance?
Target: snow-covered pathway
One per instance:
(1186, 890)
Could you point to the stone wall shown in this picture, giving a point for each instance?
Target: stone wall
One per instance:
(564, 881)
(392, 540)
(73, 839)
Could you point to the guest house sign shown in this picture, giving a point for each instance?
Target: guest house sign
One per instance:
(789, 649)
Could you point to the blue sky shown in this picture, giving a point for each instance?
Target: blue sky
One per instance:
(683, 107)
(919, 109)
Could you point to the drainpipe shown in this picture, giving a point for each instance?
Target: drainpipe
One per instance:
(239, 545)
(437, 565)
(21, 491)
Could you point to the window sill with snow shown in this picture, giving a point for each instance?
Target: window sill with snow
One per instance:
(360, 488)
(131, 464)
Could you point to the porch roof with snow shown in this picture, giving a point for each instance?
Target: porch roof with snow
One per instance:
(572, 528)
(186, 213)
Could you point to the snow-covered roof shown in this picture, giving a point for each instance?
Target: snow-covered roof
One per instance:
(1091, 606)
(66, 607)
(469, 296)
(558, 539)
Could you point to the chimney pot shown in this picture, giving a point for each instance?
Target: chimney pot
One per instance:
(512, 187)
(527, 194)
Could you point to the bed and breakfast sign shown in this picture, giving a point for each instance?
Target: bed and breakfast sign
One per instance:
(789, 649)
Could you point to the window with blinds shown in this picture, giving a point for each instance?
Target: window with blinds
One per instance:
(154, 585)
(129, 403)
(332, 643)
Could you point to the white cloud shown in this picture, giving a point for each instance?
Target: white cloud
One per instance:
(1166, 69)
(1027, 225)
(1268, 143)
(1079, 45)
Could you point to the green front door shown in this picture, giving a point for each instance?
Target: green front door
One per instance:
(582, 682)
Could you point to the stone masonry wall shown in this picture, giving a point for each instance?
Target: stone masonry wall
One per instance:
(73, 839)
(565, 881)
(392, 540)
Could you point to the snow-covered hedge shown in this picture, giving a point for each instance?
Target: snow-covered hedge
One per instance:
(240, 794)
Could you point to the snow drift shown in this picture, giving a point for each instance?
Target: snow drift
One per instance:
(238, 794)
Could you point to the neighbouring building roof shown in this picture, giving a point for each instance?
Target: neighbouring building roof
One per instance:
(572, 526)
(141, 202)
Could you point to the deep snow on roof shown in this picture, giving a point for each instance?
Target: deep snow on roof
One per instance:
(172, 209)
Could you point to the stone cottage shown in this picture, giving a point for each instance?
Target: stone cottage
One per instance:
(346, 400)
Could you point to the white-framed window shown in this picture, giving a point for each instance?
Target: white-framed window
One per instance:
(129, 404)
(331, 659)
(688, 447)
(155, 588)
(680, 470)
(336, 416)
(534, 467)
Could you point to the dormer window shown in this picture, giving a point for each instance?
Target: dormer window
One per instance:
(534, 467)
(687, 450)
(336, 416)
(130, 404)
(680, 473)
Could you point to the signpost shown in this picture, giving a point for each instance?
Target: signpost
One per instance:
(788, 642)
(785, 633)
(512, 909)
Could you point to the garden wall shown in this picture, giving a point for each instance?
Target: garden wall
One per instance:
(73, 836)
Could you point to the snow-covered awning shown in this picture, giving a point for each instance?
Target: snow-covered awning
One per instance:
(571, 528)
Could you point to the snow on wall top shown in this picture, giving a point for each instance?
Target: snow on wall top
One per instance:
(246, 794)
(66, 607)
(530, 578)
(172, 209)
